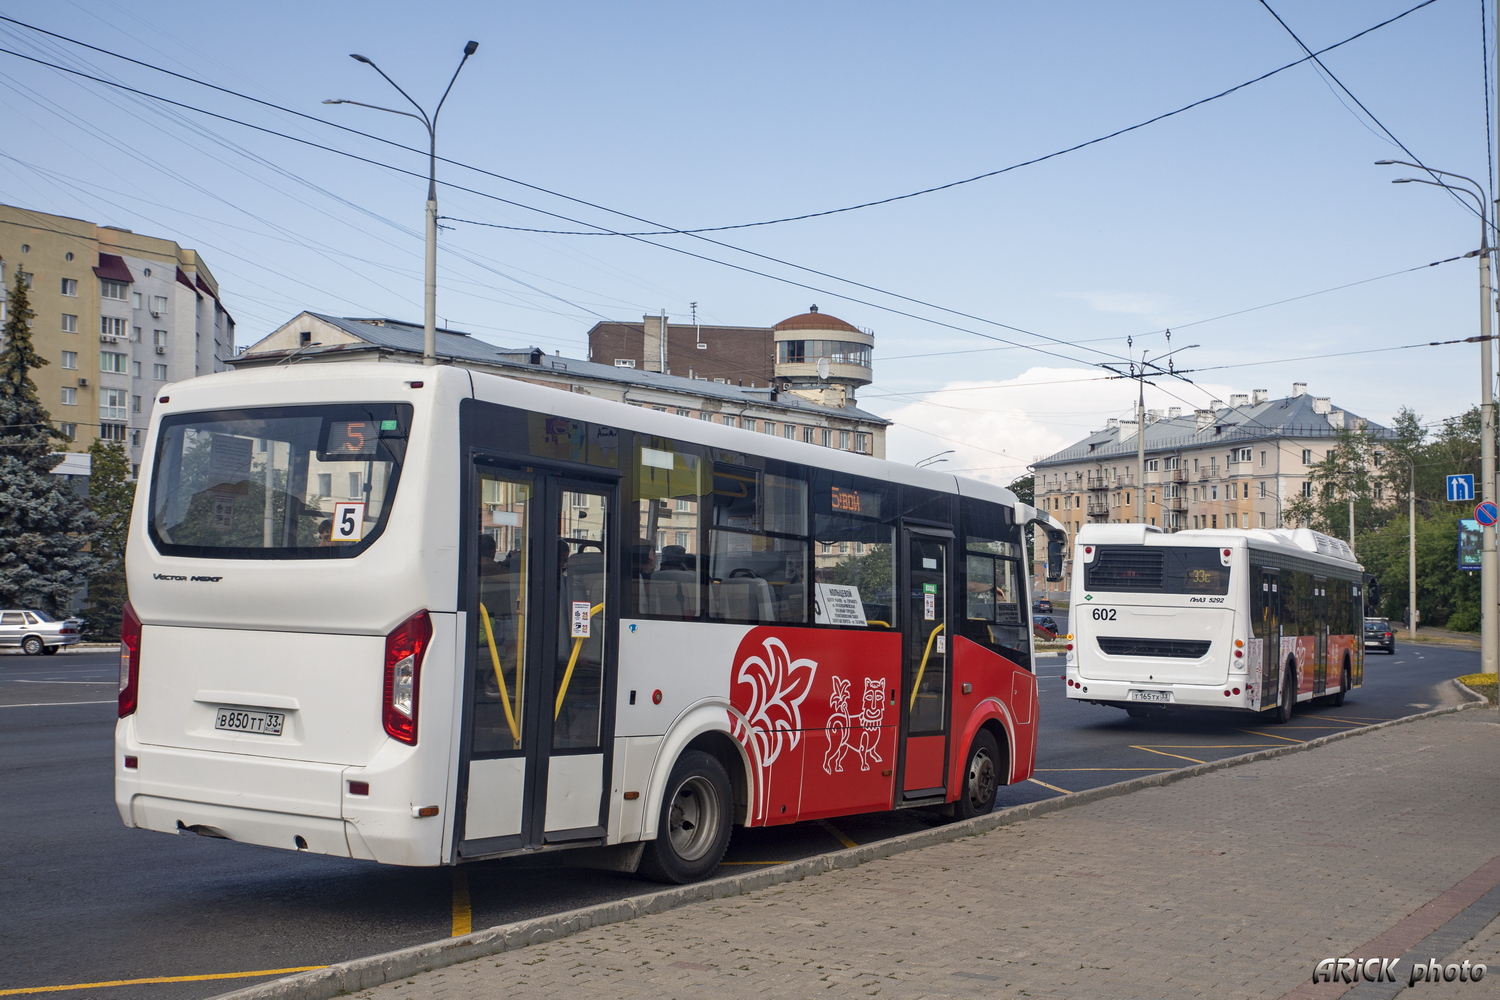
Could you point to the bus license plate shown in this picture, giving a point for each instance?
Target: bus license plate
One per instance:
(1165, 697)
(239, 721)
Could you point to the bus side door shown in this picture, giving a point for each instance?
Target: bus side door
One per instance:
(925, 695)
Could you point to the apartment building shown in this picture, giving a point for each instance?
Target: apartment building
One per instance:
(776, 408)
(1234, 466)
(118, 314)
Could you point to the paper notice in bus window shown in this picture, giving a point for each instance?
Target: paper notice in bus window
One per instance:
(223, 512)
(581, 620)
(929, 606)
(838, 604)
(348, 521)
(228, 458)
(942, 643)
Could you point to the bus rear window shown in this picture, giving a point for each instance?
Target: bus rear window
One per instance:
(1157, 569)
(303, 482)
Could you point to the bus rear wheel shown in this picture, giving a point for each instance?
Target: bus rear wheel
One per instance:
(692, 832)
(981, 777)
(1288, 697)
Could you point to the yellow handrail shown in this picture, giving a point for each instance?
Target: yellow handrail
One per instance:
(562, 692)
(923, 668)
(510, 716)
(877, 621)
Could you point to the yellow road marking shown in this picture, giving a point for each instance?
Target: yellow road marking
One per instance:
(158, 979)
(1272, 736)
(1211, 746)
(1179, 756)
(752, 862)
(1053, 787)
(1360, 718)
(837, 833)
(463, 917)
(1047, 770)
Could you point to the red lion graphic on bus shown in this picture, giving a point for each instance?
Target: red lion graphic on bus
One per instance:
(867, 722)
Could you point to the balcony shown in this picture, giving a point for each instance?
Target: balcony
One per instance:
(1175, 476)
(1178, 504)
(1098, 509)
(1104, 483)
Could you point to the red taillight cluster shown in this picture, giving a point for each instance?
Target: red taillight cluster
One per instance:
(130, 659)
(403, 675)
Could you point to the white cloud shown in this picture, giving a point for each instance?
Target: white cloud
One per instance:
(1155, 309)
(997, 429)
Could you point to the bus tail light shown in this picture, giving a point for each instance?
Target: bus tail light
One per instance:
(130, 659)
(403, 675)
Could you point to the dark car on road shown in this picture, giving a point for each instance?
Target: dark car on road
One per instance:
(1041, 606)
(1044, 626)
(1378, 634)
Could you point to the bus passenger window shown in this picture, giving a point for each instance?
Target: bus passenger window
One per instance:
(663, 561)
(854, 542)
(994, 615)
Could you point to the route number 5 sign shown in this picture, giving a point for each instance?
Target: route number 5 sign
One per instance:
(349, 521)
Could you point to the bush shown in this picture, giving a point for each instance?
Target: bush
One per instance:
(1464, 620)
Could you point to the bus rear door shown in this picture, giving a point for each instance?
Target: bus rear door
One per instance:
(927, 573)
(541, 599)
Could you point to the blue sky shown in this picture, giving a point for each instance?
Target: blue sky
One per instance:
(703, 115)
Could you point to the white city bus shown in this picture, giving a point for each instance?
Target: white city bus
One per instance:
(1249, 620)
(425, 616)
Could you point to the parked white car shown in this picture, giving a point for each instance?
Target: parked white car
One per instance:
(37, 632)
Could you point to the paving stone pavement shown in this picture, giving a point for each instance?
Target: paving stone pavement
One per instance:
(1230, 884)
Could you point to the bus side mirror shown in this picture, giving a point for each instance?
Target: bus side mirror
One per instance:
(1056, 541)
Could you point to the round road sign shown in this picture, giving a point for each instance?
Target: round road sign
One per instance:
(1487, 513)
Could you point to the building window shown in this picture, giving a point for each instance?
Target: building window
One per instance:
(70, 286)
(71, 430)
(684, 413)
(110, 326)
(135, 335)
(69, 323)
(69, 396)
(158, 305)
(1242, 455)
(1307, 489)
(769, 426)
(113, 289)
(135, 300)
(844, 441)
(705, 416)
(1307, 456)
(1214, 520)
(1245, 494)
(862, 443)
(807, 435)
(109, 361)
(749, 424)
(789, 431)
(1195, 494)
(1262, 462)
(684, 539)
(159, 338)
(26, 277)
(1151, 466)
(135, 369)
(827, 438)
(112, 407)
(1153, 496)
(1262, 519)
(159, 372)
(112, 432)
(135, 404)
(135, 439)
(70, 359)
(624, 362)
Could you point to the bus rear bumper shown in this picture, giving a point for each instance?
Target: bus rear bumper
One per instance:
(1233, 693)
(294, 805)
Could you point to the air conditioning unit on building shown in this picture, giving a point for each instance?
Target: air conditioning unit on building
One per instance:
(83, 383)
(105, 338)
(161, 348)
(156, 313)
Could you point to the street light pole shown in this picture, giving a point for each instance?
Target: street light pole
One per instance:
(429, 297)
(1489, 568)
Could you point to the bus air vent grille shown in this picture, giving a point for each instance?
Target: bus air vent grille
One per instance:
(1126, 569)
(1187, 649)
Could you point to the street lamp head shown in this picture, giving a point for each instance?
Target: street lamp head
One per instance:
(1404, 180)
(1384, 163)
(471, 48)
(335, 100)
(359, 58)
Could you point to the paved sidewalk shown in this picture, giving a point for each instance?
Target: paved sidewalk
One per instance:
(1229, 884)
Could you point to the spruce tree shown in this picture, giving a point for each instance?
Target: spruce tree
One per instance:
(111, 494)
(46, 528)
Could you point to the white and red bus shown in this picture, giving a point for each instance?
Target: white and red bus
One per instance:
(427, 615)
(1250, 620)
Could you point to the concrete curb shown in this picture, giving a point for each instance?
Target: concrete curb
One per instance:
(376, 970)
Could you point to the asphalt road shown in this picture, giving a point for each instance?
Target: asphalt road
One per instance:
(88, 901)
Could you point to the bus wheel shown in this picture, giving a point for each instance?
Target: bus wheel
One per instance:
(692, 832)
(981, 777)
(1338, 699)
(1288, 697)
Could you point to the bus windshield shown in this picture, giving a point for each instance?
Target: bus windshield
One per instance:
(305, 482)
(1160, 569)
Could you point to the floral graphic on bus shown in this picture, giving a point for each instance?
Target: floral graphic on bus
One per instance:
(867, 721)
(771, 720)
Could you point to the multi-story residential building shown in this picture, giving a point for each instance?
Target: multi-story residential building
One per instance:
(781, 408)
(1235, 466)
(117, 314)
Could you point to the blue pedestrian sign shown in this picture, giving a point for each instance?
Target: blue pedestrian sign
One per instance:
(1461, 487)
(1487, 513)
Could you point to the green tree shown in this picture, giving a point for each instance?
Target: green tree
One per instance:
(111, 494)
(45, 527)
(1025, 489)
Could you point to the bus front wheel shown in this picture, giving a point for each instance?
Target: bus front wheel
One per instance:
(692, 832)
(981, 777)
